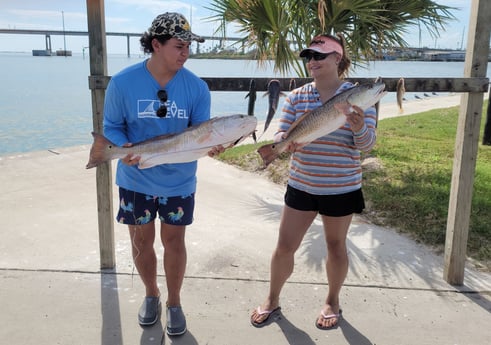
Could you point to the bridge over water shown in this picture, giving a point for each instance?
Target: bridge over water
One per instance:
(128, 35)
(403, 52)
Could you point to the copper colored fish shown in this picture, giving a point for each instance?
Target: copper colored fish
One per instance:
(325, 119)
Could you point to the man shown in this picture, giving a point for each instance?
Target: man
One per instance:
(155, 97)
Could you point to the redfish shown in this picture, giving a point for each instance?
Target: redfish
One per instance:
(187, 146)
(400, 91)
(325, 119)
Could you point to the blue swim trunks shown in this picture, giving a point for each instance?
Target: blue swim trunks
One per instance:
(138, 209)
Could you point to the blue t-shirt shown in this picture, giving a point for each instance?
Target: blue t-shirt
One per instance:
(130, 116)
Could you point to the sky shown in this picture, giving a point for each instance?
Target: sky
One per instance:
(135, 16)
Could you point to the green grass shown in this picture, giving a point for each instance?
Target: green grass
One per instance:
(411, 190)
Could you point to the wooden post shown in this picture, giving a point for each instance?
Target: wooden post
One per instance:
(466, 145)
(97, 83)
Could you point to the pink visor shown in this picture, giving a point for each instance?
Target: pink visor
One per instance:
(324, 45)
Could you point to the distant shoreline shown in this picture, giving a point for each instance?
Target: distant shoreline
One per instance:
(250, 56)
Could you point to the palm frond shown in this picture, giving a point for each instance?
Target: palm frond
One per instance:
(278, 29)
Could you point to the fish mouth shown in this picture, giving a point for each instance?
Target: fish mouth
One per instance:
(378, 88)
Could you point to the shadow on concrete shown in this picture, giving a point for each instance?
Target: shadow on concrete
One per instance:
(111, 315)
(352, 335)
(153, 335)
(481, 299)
(293, 335)
(185, 339)
(389, 257)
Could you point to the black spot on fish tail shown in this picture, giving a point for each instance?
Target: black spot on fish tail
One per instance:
(98, 153)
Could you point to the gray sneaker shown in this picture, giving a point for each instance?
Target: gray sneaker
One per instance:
(149, 311)
(176, 321)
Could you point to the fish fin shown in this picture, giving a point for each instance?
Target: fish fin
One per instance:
(269, 153)
(98, 153)
(147, 163)
(343, 107)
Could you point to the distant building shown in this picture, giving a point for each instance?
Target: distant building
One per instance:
(444, 55)
(41, 52)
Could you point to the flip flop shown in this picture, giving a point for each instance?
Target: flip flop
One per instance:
(263, 312)
(328, 317)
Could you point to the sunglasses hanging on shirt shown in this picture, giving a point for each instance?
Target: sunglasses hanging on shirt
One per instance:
(162, 111)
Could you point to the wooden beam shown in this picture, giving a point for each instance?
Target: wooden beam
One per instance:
(97, 85)
(423, 84)
(466, 145)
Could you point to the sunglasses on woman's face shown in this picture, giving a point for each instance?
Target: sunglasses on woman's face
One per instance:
(316, 56)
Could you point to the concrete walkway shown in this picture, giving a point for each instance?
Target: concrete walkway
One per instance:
(53, 292)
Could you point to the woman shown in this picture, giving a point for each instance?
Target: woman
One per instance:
(324, 178)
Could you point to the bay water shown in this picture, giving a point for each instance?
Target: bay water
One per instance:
(45, 102)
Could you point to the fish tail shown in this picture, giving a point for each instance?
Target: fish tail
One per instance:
(98, 153)
(269, 153)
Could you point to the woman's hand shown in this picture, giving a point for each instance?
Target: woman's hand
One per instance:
(356, 118)
(130, 159)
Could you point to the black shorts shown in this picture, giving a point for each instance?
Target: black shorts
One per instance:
(137, 208)
(338, 205)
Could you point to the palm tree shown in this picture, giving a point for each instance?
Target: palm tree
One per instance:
(278, 29)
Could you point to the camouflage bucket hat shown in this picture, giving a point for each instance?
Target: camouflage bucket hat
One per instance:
(174, 24)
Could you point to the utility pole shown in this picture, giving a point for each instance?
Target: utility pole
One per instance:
(64, 38)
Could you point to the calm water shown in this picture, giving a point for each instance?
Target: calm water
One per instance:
(45, 102)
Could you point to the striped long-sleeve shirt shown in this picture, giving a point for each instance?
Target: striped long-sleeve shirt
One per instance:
(331, 164)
